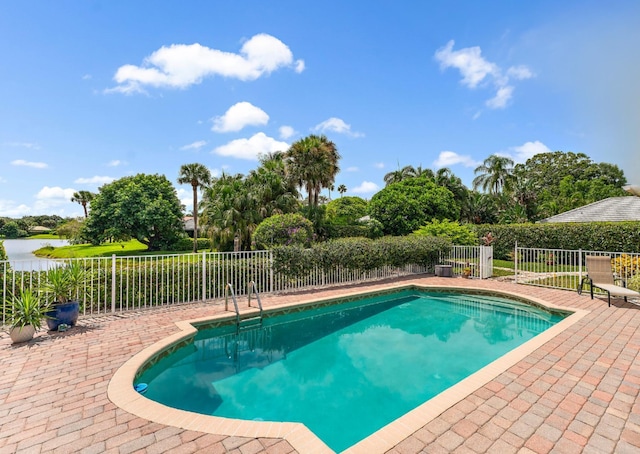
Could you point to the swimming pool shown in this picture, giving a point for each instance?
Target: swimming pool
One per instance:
(344, 370)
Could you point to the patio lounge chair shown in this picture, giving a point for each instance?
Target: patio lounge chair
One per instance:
(600, 275)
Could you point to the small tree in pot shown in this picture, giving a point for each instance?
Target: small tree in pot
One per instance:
(67, 286)
(25, 314)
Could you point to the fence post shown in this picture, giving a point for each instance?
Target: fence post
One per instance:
(204, 276)
(515, 262)
(579, 266)
(271, 270)
(113, 283)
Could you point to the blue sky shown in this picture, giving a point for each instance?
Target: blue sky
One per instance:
(92, 91)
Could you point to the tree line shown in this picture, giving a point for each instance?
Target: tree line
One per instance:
(231, 207)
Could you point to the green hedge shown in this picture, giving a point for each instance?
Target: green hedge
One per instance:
(591, 236)
(359, 254)
(186, 244)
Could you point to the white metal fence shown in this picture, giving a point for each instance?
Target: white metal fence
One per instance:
(564, 269)
(117, 284)
(476, 260)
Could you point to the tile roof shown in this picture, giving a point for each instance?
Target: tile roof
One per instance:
(613, 209)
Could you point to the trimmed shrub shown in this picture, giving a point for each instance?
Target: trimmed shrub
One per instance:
(346, 210)
(367, 229)
(283, 230)
(461, 235)
(186, 244)
(590, 236)
(359, 254)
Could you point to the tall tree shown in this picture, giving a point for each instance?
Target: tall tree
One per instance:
(83, 198)
(197, 175)
(342, 189)
(313, 164)
(144, 207)
(494, 174)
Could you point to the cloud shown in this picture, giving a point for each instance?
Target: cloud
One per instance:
(94, 180)
(251, 148)
(35, 165)
(194, 146)
(379, 165)
(49, 197)
(527, 150)
(286, 132)
(33, 146)
(366, 187)
(114, 163)
(183, 65)
(352, 169)
(451, 158)
(238, 116)
(336, 125)
(10, 209)
(475, 69)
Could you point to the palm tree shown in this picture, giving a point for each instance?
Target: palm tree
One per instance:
(313, 164)
(400, 174)
(494, 174)
(271, 186)
(342, 189)
(83, 198)
(196, 175)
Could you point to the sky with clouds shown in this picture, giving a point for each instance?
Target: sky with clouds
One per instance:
(91, 91)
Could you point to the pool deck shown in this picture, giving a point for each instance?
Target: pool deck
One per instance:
(575, 392)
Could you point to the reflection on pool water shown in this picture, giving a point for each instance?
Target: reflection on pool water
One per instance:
(344, 371)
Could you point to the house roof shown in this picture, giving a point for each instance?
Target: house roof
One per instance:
(613, 209)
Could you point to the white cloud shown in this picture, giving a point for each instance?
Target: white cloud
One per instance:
(238, 116)
(475, 69)
(286, 132)
(97, 180)
(194, 146)
(9, 208)
(86, 77)
(366, 187)
(523, 152)
(502, 97)
(182, 65)
(251, 148)
(451, 158)
(49, 197)
(336, 125)
(35, 165)
(352, 169)
(114, 163)
(31, 145)
(379, 165)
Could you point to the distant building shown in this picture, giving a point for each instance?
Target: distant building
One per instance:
(39, 229)
(613, 209)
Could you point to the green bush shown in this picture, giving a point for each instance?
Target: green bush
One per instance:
(589, 236)
(3, 252)
(283, 230)
(186, 244)
(346, 210)
(634, 283)
(460, 235)
(359, 254)
(367, 229)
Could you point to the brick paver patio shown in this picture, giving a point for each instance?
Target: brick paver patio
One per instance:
(577, 393)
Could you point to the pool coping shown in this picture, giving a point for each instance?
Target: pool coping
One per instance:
(122, 394)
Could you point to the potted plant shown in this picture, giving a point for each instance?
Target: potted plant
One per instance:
(66, 285)
(466, 273)
(25, 314)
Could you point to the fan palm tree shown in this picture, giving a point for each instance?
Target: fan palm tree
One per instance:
(83, 198)
(494, 174)
(271, 186)
(313, 164)
(342, 189)
(196, 175)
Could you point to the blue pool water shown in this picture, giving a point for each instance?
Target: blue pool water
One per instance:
(344, 371)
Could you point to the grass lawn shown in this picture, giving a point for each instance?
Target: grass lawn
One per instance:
(133, 247)
(45, 236)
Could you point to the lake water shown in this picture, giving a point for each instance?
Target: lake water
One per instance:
(20, 253)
